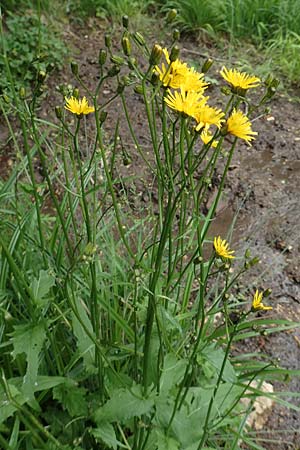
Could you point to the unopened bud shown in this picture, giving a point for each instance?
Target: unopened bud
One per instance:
(6, 99)
(176, 34)
(58, 112)
(267, 292)
(107, 40)
(125, 21)
(102, 56)
(225, 90)
(126, 46)
(132, 63)
(76, 93)
(198, 260)
(207, 65)
(254, 261)
(120, 88)
(74, 68)
(22, 93)
(41, 76)
(139, 38)
(126, 80)
(156, 54)
(154, 78)
(247, 253)
(102, 116)
(117, 60)
(138, 89)
(50, 67)
(171, 15)
(174, 53)
(113, 71)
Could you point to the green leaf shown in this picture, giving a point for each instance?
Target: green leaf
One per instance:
(29, 339)
(85, 345)
(105, 433)
(215, 356)
(124, 404)
(41, 287)
(166, 442)
(172, 372)
(72, 398)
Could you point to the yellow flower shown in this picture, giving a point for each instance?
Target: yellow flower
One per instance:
(239, 125)
(173, 74)
(221, 248)
(206, 137)
(238, 79)
(206, 116)
(178, 75)
(194, 81)
(257, 304)
(78, 107)
(185, 102)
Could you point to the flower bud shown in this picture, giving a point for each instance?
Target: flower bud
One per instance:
(6, 99)
(154, 78)
(156, 54)
(225, 90)
(176, 34)
(267, 293)
(22, 93)
(120, 88)
(138, 89)
(139, 38)
(41, 76)
(132, 63)
(198, 260)
(58, 112)
(76, 93)
(207, 65)
(126, 46)
(102, 116)
(50, 67)
(174, 53)
(74, 68)
(247, 253)
(107, 40)
(114, 70)
(117, 60)
(125, 21)
(102, 56)
(171, 15)
(126, 80)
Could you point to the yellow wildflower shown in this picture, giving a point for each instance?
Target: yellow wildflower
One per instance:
(185, 102)
(221, 248)
(207, 115)
(240, 80)
(257, 304)
(173, 74)
(239, 125)
(206, 138)
(78, 107)
(177, 74)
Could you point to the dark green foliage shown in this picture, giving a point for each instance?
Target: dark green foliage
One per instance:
(30, 46)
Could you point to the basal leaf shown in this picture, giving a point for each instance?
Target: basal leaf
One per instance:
(123, 405)
(40, 287)
(172, 372)
(85, 345)
(215, 356)
(72, 398)
(29, 339)
(105, 433)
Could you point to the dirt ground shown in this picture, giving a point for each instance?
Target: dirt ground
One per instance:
(262, 195)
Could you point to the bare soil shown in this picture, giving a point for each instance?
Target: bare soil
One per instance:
(262, 197)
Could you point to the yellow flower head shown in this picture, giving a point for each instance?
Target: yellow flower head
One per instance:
(178, 75)
(239, 125)
(78, 107)
(206, 116)
(240, 80)
(173, 74)
(186, 102)
(257, 304)
(221, 248)
(206, 138)
(194, 81)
